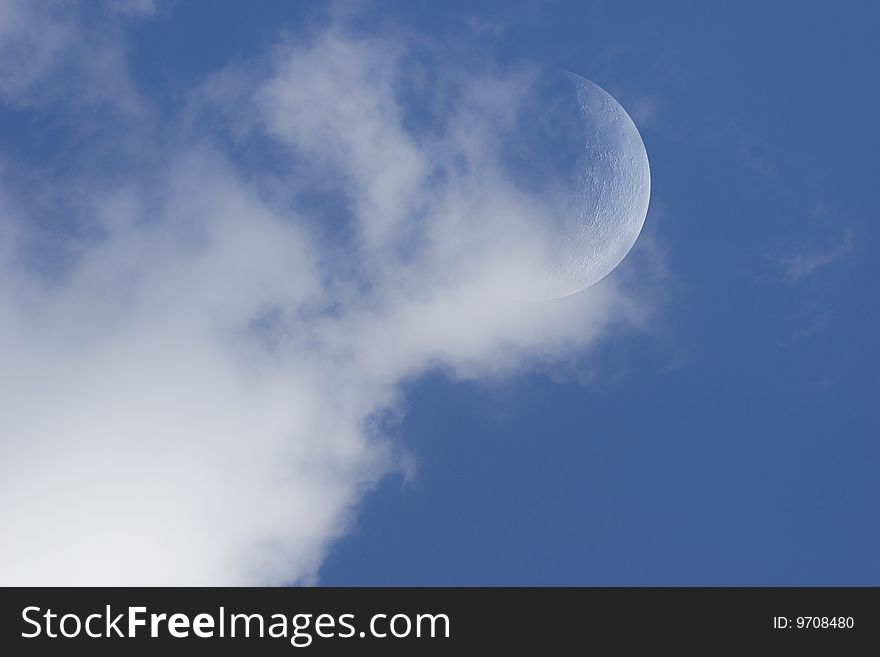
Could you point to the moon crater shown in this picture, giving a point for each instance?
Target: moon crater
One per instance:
(608, 182)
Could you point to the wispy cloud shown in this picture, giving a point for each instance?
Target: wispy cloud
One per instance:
(51, 56)
(809, 259)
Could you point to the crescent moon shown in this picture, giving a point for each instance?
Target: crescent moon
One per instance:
(611, 195)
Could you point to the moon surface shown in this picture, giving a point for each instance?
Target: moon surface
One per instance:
(612, 190)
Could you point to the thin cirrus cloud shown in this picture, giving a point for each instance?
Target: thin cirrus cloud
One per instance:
(196, 356)
(809, 259)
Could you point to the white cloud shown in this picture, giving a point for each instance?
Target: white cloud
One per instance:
(48, 55)
(193, 399)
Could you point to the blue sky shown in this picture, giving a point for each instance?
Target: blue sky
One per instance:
(738, 444)
(722, 434)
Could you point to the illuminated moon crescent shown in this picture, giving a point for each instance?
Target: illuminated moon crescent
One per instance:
(611, 194)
